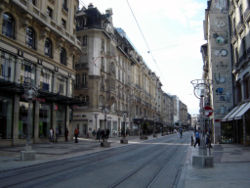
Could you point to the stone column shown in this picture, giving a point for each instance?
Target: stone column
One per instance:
(16, 120)
(18, 68)
(68, 125)
(36, 122)
(53, 116)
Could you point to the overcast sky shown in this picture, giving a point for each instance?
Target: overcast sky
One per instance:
(174, 32)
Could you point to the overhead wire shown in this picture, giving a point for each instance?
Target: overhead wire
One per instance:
(144, 38)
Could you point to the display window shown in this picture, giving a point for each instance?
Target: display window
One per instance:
(44, 120)
(6, 107)
(23, 120)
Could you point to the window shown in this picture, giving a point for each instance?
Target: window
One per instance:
(84, 80)
(246, 84)
(77, 82)
(63, 56)
(244, 48)
(46, 80)
(65, 6)
(8, 25)
(238, 92)
(50, 12)
(241, 14)
(64, 23)
(85, 40)
(34, 2)
(30, 37)
(48, 47)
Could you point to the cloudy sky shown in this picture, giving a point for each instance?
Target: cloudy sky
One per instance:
(173, 30)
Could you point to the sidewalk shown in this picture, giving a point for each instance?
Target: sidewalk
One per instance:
(231, 169)
(10, 156)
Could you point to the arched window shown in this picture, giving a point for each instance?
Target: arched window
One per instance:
(63, 56)
(48, 47)
(31, 37)
(8, 28)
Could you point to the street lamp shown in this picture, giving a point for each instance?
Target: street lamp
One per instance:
(201, 89)
(29, 93)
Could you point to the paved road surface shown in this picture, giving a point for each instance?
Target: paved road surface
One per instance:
(155, 163)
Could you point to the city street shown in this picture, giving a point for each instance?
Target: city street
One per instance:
(154, 163)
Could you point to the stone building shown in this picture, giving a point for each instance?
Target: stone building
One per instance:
(183, 114)
(38, 48)
(238, 119)
(121, 91)
(217, 69)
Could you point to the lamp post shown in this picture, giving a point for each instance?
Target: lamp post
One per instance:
(29, 93)
(201, 89)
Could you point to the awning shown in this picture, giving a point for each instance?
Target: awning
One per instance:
(226, 118)
(237, 112)
(243, 111)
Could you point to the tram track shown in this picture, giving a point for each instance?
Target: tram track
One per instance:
(167, 159)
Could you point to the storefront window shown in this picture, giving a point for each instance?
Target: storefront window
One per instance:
(5, 118)
(46, 80)
(23, 120)
(61, 85)
(44, 120)
(7, 65)
(27, 71)
(60, 119)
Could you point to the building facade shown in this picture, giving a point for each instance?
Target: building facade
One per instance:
(121, 91)
(217, 69)
(228, 23)
(38, 48)
(238, 119)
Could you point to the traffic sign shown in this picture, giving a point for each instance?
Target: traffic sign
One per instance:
(208, 111)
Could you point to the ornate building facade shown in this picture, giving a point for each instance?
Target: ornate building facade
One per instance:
(38, 47)
(113, 79)
(226, 64)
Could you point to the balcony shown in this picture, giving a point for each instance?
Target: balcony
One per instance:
(81, 66)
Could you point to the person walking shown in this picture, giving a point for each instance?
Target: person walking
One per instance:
(76, 133)
(197, 138)
(98, 134)
(57, 133)
(180, 130)
(66, 134)
(51, 134)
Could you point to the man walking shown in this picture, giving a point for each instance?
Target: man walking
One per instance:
(76, 132)
(197, 138)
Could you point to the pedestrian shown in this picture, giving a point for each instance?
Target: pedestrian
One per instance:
(107, 133)
(93, 133)
(208, 140)
(98, 134)
(197, 138)
(51, 134)
(76, 133)
(180, 130)
(102, 134)
(66, 134)
(57, 133)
